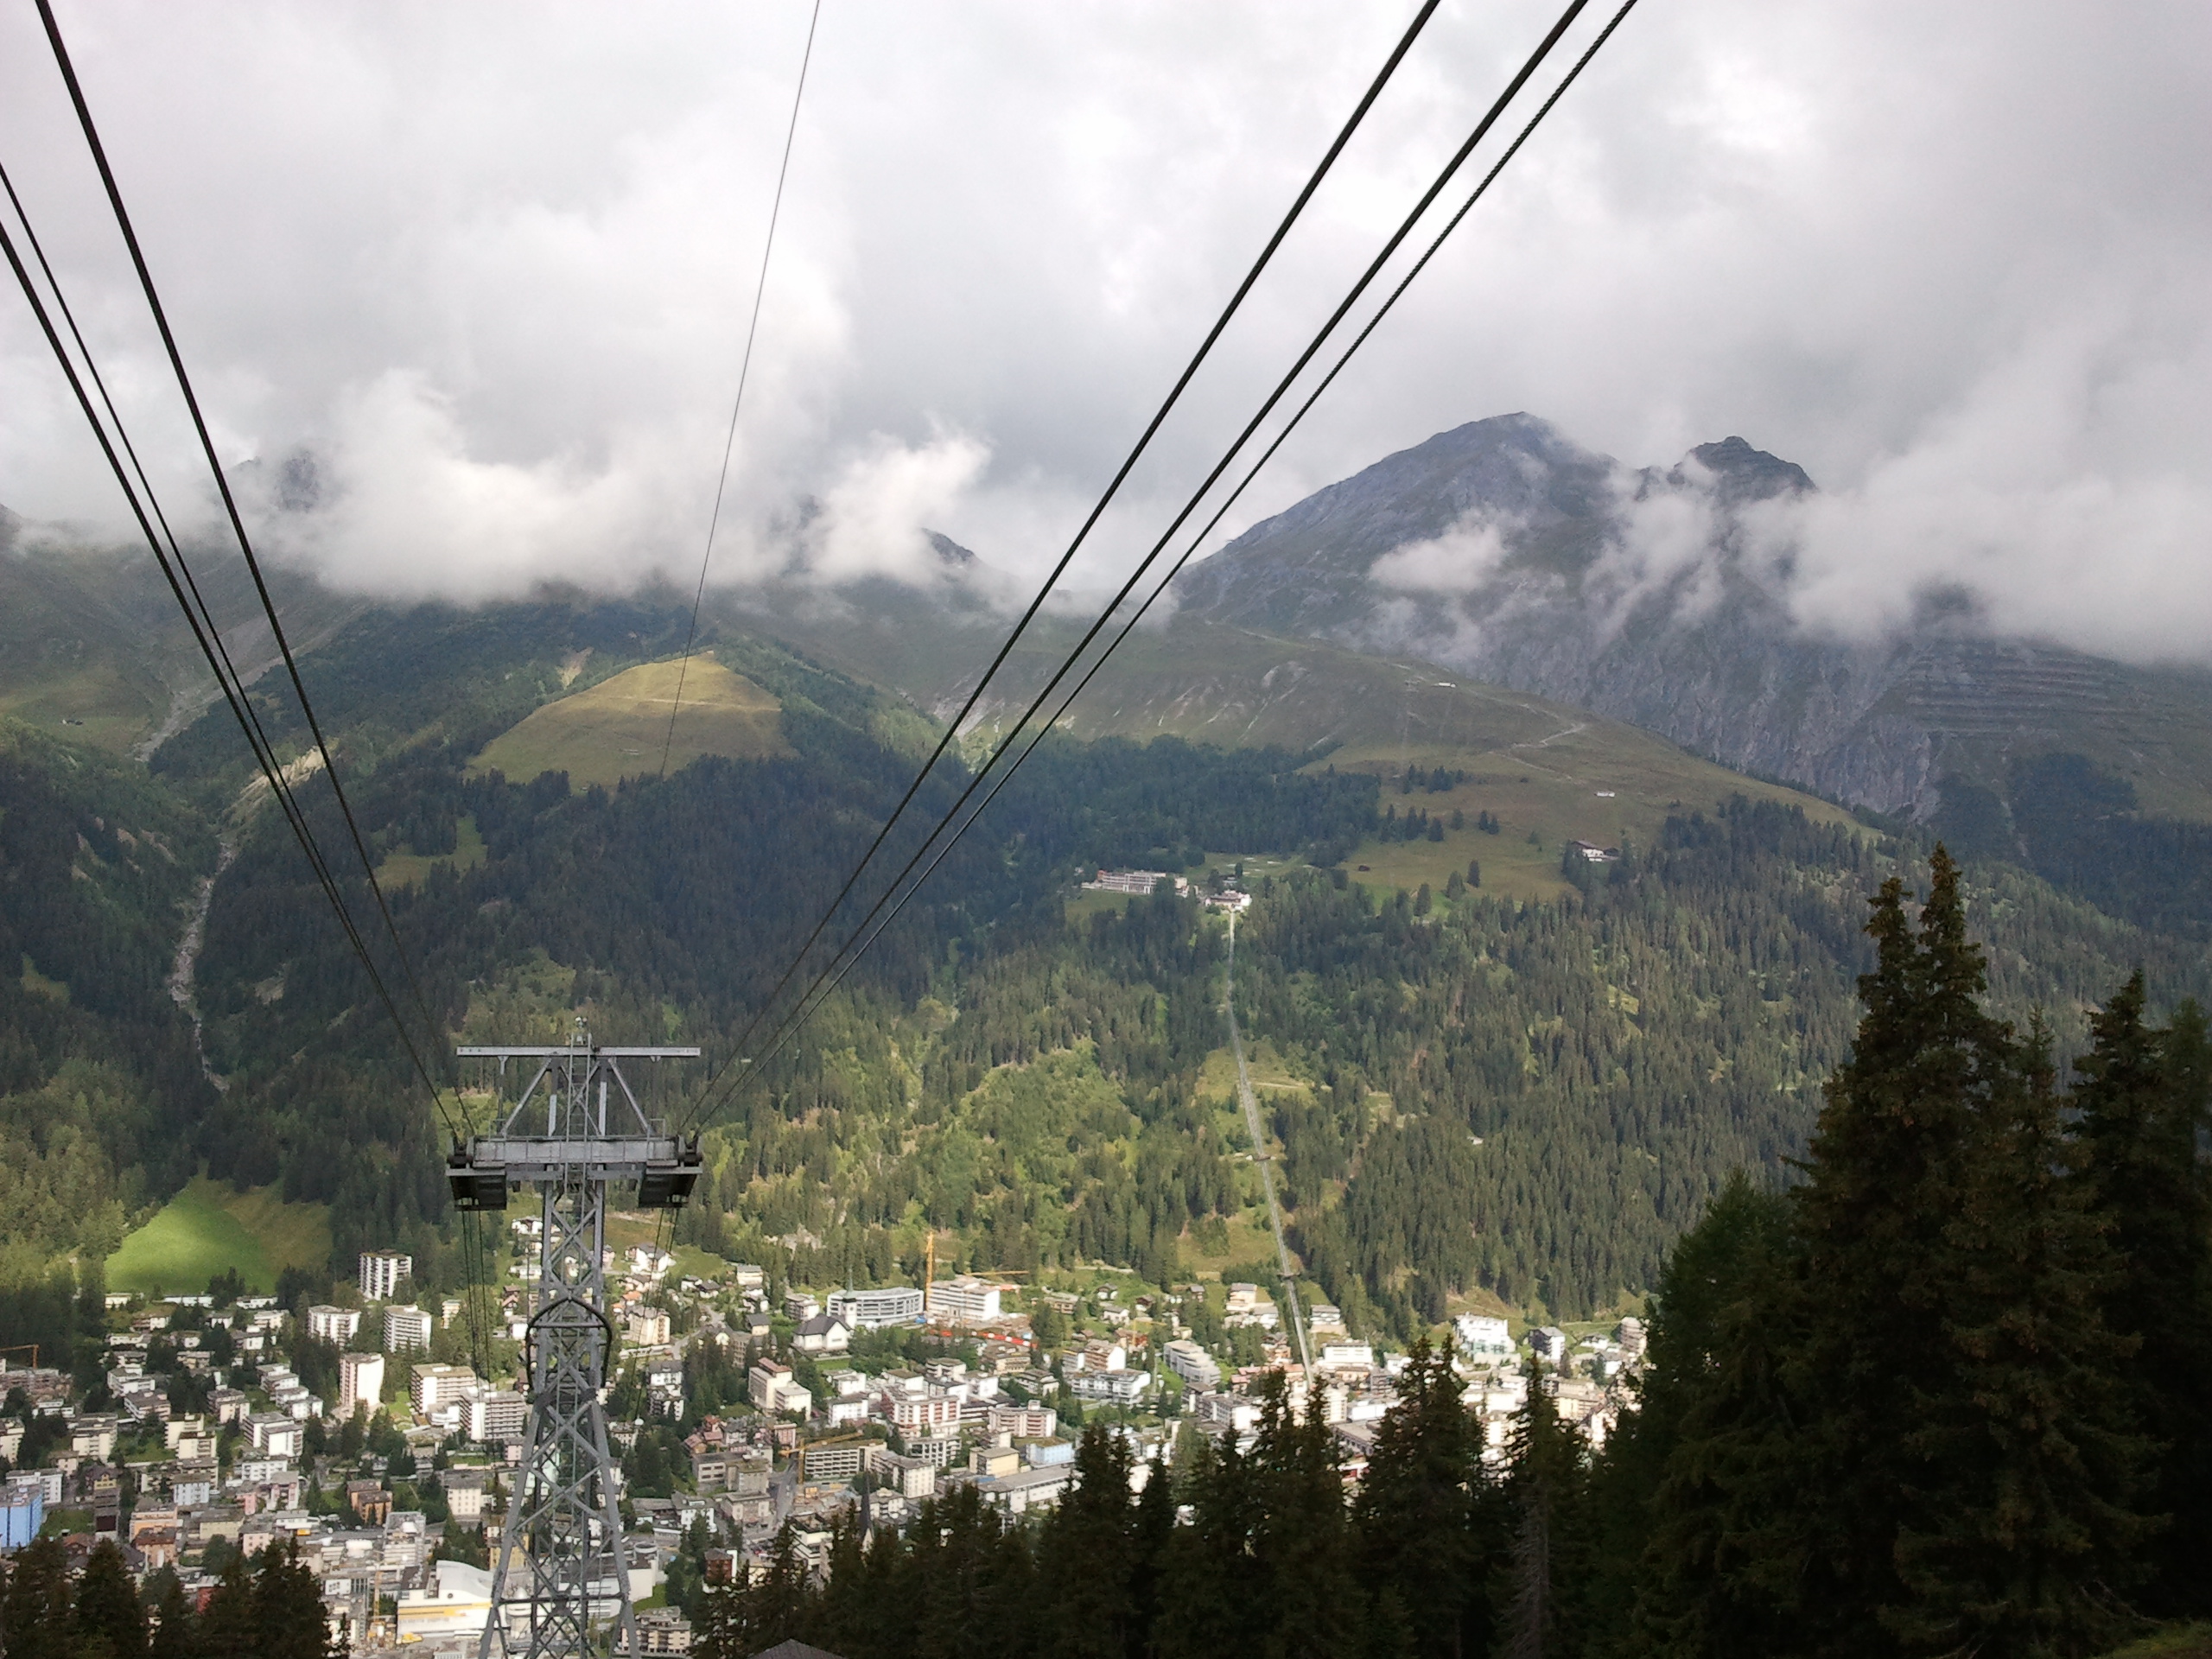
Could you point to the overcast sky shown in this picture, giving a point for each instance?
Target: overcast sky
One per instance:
(494, 264)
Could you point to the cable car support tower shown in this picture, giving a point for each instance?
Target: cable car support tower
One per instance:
(575, 1128)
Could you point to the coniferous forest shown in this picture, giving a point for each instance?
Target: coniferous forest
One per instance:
(1943, 1394)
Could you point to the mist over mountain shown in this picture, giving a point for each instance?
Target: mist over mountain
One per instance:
(1672, 599)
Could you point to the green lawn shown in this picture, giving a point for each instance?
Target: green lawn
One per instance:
(617, 728)
(406, 870)
(207, 1228)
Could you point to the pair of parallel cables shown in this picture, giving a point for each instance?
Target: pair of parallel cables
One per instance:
(721, 1086)
(123, 459)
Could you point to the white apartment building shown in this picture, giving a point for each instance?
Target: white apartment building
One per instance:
(773, 1389)
(924, 1413)
(360, 1382)
(432, 1388)
(965, 1300)
(1482, 1337)
(1139, 882)
(405, 1328)
(871, 1310)
(1192, 1363)
(495, 1415)
(649, 1327)
(335, 1325)
(383, 1272)
(1118, 1388)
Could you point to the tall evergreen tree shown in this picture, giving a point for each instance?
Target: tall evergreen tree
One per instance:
(229, 1627)
(288, 1607)
(1152, 1533)
(1310, 1600)
(2020, 1531)
(1886, 1173)
(36, 1619)
(1698, 1485)
(1537, 1581)
(2142, 1096)
(1426, 1518)
(1086, 1557)
(1211, 1590)
(176, 1634)
(108, 1612)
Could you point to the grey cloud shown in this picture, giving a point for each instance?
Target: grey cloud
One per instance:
(492, 265)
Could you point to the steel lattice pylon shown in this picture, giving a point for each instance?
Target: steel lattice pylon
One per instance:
(560, 1565)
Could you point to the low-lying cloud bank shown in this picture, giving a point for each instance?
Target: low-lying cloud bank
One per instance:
(493, 271)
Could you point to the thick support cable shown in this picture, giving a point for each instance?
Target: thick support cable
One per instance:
(218, 662)
(804, 1010)
(1113, 489)
(1410, 220)
(223, 488)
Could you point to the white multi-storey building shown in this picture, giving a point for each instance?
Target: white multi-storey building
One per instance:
(405, 1328)
(1481, 1338)
(964, 1301)
(1192, 1363)
(495, 1415)
(871, 1310)
(335, 1325)
(360, 1381)
(383, 1272)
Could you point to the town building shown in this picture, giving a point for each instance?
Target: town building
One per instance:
(1027, 1488)
(1123, 1388)
(383, 1272)
(924, 1414)
(335, 1325)
(773, 1389)
(495, 1416)
(872, 1310)
(1192, 1363)
(432, 1387)
(1482, 1337)
(360, 1382)
(825, 1334)
(1142, 883)
(405, 1329)
(965, 1300)
(661, 1631)
(649, 1327)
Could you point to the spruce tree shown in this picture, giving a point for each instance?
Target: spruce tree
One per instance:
(2142, 1099)
(107, 1605)
(36, 1619)
(1310, 1598)
(2019, 1530)
(1210, 1589)
(1699, 1482)
(288, 1607)
(1536, 1584)
(1885, 1174)
(1426, 1518)
(1152, 1534)
(176, 1634)
(228, 1626)
(1086, 1556)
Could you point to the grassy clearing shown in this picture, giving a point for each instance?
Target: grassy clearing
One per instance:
(616, 728)
(407, 869)
(209, 1228)
(1587, 780)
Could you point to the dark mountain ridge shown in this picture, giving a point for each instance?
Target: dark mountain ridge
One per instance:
(1504, 550)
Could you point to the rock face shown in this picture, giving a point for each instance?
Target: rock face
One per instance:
(1504, 550)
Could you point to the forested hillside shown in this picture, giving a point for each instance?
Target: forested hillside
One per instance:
(1944, 1396)
(1480, 1096)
